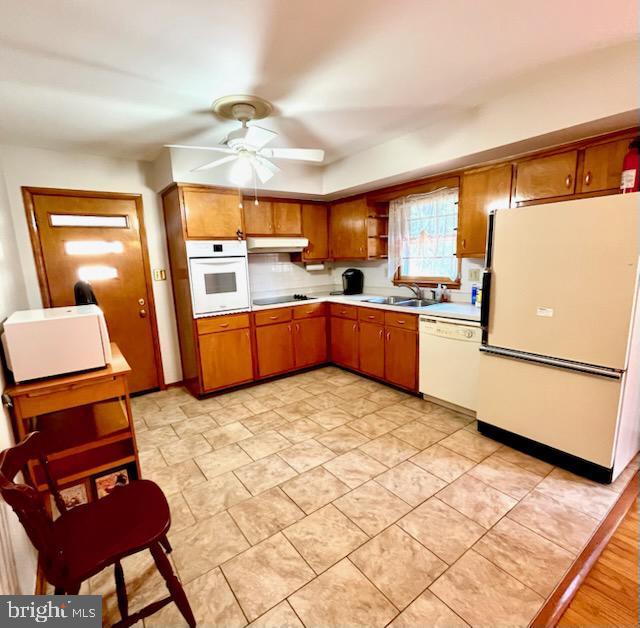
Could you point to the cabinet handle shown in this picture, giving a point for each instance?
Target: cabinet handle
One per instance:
(297, 327)
(289, 328)
(274, 318)
(588, 178)
(464, 243)
(388, 336)
(355, 327)
(362, 249)
(400, 321)
(371, 316)
(380, 334)
(568, 181)
(224, 324)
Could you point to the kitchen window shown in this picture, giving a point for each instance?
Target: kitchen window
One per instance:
(422, 238)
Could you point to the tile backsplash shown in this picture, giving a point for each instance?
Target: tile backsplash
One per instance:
(275, 273)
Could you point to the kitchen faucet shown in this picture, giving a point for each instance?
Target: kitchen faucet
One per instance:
(417, 290)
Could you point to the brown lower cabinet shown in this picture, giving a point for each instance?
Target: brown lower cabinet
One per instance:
(309, 341)
(401, 357)
(275, 348)
(225, 358)
(371, 349)
(388, 352)
(344, 342)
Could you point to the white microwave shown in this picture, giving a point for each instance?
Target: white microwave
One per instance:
(55, 341)
(219, 276)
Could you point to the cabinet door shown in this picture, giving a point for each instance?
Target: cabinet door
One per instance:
(603, 166)
(310, 341)
(481, 192)
(344, 342)
(275, 349)
(401, 357)
(287, 218)
(315, 227)
(211, 214)
(371, 349)
(348, 229)
(546, 177)
(258, 219)
(226, 358)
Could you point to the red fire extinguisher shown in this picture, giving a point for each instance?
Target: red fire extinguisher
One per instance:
(630, 179)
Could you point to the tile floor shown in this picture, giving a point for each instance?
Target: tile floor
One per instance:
(326, 499)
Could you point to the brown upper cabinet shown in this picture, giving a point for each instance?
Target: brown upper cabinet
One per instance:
(214, 214)
(546, 177)
(273, 218)
(602, 166)
(348, 231)
(258, 219)
(481, 191)
(315, 227)
(287, 218)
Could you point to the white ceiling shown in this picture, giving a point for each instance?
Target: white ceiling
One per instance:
(122, 78)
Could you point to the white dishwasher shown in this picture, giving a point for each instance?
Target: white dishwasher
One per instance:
(449, 360)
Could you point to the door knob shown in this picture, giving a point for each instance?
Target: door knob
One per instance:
(143, 313)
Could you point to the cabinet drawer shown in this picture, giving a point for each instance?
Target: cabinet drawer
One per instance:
(370, 315)
(308, 311)
(344, 311)
(405, 321)
(277, 315)
(222, 323)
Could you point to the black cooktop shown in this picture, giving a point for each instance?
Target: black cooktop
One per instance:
(285, 299)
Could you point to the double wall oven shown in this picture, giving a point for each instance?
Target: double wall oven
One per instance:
(219, 276)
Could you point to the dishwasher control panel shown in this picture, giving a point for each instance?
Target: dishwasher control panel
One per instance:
(455, 331)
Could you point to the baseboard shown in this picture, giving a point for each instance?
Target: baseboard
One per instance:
(553, 456)
(556, 605)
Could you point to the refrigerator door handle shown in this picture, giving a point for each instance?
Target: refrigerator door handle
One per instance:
(484, 306)
(578, 367)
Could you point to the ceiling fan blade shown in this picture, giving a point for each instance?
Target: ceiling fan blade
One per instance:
(217, 149)
(297, 154)
(257, 137)
(264, 168)
(216, 163)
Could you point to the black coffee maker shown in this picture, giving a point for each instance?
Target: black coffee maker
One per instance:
(352, 281)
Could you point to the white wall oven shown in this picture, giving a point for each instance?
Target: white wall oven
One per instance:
(219, 276)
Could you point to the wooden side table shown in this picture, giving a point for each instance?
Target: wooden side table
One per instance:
(87, 420)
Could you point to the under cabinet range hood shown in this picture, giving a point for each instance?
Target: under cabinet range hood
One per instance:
(276, 244)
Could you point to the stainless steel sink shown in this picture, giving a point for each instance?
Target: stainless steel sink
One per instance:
(386, 300)
(416, 302)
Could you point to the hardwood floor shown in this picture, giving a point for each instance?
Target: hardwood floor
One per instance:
(609, 595)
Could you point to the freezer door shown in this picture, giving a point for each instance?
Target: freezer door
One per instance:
(564, 279)
(573, 412)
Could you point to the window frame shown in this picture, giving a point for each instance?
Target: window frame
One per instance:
(432, 282)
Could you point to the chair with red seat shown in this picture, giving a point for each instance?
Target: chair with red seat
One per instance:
(90, 537)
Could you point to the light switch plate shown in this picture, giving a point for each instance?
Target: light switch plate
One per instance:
(474, 274)
(159, 274)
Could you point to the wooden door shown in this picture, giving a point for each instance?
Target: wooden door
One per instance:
(315, 227)
(602, 166)
(258, 219)
(275, 348)
(211, 214)
(481, 191)
(310, 341)
(348, 229)
(401, 357)
(99, 237)
(371, 349)
(344, 342)
(287, 218)
(226, 358)
(546, 177)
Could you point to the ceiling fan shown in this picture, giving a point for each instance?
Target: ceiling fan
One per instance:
(246, 147)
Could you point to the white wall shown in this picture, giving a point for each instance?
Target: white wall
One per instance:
(17, 556)
(44, 168)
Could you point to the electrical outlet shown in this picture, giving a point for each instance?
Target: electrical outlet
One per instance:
(474, 274)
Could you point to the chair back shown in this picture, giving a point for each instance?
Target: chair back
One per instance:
(28, 503)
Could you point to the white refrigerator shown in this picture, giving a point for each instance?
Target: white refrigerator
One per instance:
(560, 353)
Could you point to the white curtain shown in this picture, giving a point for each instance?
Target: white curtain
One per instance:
(422, 235)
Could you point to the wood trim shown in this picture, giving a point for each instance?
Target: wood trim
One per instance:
(555, 606)
(28, 194)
